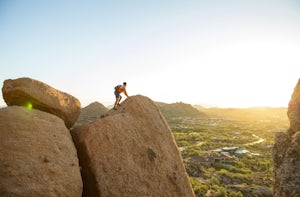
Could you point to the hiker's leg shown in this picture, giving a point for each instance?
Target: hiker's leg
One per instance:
(120, 98)
(117, 99)
(116, 103)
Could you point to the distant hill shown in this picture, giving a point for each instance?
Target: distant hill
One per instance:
(250, 114)
(91, 112)
(95, 110)
(179, 109)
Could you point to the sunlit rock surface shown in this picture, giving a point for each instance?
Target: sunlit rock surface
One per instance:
(286, 152)
(38, 95)
(37, 155)
(131, 152)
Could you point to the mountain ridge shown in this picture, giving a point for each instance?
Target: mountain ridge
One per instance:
(179, 109)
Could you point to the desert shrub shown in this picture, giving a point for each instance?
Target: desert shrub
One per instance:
(235, 194)
(239, 164)
(239, 170)
(223, 172)
(192, 152)
(182, 143)
(218, 166)
(199, 188)
(242, 178)
(212, 181)
(220, 191)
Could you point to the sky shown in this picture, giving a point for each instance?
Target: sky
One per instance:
(226, 53)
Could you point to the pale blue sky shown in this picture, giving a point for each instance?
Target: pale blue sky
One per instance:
(222, 52)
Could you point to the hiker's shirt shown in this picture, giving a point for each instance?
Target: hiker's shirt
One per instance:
(121, 89)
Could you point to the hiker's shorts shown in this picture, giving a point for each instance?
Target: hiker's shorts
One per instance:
(117, 94)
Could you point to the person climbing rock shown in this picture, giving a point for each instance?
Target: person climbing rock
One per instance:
(118, 90)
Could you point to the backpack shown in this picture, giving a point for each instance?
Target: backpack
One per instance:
(117, 87)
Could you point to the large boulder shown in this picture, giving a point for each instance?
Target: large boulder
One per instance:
(131, 152)
(286, 154)
(38, 95)
(37, 155)
(294, 110)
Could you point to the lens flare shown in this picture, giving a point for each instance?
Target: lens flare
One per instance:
(29, 105)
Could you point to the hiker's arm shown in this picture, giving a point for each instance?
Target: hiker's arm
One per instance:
(125, 92)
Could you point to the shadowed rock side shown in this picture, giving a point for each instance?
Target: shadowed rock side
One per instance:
(131, 152)
(25, 91)
(286, 154)
(37, 155)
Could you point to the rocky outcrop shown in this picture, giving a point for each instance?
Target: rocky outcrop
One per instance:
(38, 95)
(294, 111)
(286, 154)
(131, 152)
(37, 155)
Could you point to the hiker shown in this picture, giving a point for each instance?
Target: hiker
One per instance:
(118, 90)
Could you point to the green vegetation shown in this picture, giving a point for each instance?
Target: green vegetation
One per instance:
(250, 129)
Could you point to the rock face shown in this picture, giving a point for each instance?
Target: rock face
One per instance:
(37, 155)
(286, 154)
(131, 152)
(26, 91)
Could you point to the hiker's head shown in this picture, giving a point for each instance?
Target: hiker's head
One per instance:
(124, 83)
